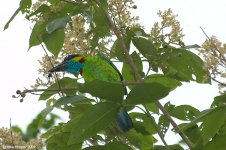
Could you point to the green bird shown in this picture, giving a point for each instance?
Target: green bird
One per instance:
(92, 68)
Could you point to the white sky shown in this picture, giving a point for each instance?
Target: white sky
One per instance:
(19, 67)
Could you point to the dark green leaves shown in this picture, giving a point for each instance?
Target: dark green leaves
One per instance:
(54, 41)
(127, 72)
(57, 24)
(67, 85)
(117, 51)
(59, 141)
(212, 123)
(145, 46)
(164, 80)
(218, 143)
(184, 112)
(184, 65)
(36, 35)
(102, 89)
(147, 93)
(92, 121)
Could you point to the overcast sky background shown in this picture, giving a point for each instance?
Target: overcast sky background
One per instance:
(19, 67)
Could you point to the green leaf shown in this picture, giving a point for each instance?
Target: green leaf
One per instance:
(56, 129)
(217, 143)
(184, 66)
(11, 19)
(68, 100)
(65, 83)
(145, 46)
(102, 89)
(164, 80)
(147, 93)
(59, 141)
(142, 123)
(36, 35)
(102, 26)
(25, 5)
(169, 147)
(200, 117)
(93, 121)
(219, 100)
(54, 41)
(127, 72)
(139, 140)
(110, 146)
(184, 112)
(117, 51)
(194, 134)
(163, 124)
(213, 123)
(153, 108)
(58, 23)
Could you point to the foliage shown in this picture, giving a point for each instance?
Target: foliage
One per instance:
(89, 27)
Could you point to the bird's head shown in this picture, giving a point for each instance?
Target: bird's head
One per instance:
(72, 64)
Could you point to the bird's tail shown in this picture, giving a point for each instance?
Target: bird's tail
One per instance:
(124, 121)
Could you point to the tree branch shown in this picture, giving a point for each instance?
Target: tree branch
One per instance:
(139, 78)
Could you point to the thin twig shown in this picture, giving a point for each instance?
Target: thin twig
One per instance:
(54, 74)
(138, 76)
(155, 126)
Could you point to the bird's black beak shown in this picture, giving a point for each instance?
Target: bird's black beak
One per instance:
(58, 68)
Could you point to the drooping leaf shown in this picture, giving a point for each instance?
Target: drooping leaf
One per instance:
(164, 80)
(212, 123)
(110, 146)
(59, 141)
(58, 23)
(145, 46)
(36, 35)
(93, 121)
(127, 72)
(163, 124)
(184, 66)
(68, 84)
(107, 90)
(11, 19)
(147, 93)
(54, 41)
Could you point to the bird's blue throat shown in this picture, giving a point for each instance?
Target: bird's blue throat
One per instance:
(74, 67)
